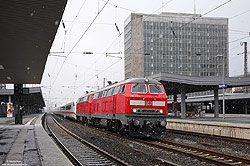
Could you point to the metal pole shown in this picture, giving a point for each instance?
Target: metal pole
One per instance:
(216, 102)
(223, 82)
(183, 105)
(245, 59)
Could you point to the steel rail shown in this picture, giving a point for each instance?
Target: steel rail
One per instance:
(222, 155)
(70, 156)
(215, 137)
(187, 150)
(92, 146)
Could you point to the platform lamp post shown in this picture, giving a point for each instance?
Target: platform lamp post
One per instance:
(223, 82)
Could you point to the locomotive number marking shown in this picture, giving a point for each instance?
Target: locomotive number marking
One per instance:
(148, 103)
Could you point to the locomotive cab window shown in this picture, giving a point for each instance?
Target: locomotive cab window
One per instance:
(155, 89)
(122, 89)
(139, 88)
(99, 94)
(116, 89)
(110, 91)
(95, 96)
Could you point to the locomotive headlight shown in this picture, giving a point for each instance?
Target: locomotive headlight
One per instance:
(136, 122)
(163, 123)
(134, 110)
(161, 111)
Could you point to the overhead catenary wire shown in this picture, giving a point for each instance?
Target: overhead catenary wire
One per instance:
(77, 15)
(79, 41)
(96, 75)
(239, 31)
(239, 14)
(135, 12)
(194, 19)
(120, 33)
(120, 7)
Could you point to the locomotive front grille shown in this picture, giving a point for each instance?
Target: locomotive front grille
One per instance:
(146, 111)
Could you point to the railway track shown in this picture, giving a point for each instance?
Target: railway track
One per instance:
(198, 153)
(65, 150)
(89, 154)
(214, 137)
(205, 155)
(208, 156)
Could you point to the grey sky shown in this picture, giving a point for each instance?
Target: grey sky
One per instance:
(79, 72)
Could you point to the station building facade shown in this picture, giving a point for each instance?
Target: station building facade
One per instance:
(177, 43)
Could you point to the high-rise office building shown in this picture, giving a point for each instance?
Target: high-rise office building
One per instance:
(175, 43)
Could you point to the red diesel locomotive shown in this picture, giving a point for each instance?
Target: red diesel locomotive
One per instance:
(138, 106)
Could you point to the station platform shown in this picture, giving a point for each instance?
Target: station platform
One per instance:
(234, 125)
(28, 144)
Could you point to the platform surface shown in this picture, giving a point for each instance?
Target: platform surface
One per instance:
(234, 125)
(233, 119)
(28, 144)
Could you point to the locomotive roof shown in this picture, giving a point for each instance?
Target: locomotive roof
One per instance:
(131, 80)
(139, 80)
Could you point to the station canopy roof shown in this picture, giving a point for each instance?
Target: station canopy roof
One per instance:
(27, 29)
(34, 98)
(173, 83)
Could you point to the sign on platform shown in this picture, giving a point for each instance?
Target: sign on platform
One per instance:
(10, 110)
(222, 85)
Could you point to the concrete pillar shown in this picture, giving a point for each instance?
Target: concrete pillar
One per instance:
(216, 102)
(9, 98)
(245, 106)
(183, 105)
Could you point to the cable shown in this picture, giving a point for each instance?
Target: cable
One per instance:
(162, 6)
(81, 22)
(79, 41)
(188, 23)
(238, 39)
(123, 32)
(215, 8)
(77, 14)
(149, 43)
(121, 7)
(95, 76)
(238, 31)
(239, 14)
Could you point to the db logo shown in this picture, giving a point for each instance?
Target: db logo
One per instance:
(148, 103)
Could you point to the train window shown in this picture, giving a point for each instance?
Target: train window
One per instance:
(155, 89)
(95, 96)
(139, 88)
(104, 93)
(100, 94)
(88, 98)
(112, 91)
(68, 107)
(109, 92)
(116, 89)
(122, 89)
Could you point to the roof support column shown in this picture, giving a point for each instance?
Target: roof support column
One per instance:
(216, 102)
(245, 106)
(183, 104)
(9, 98)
